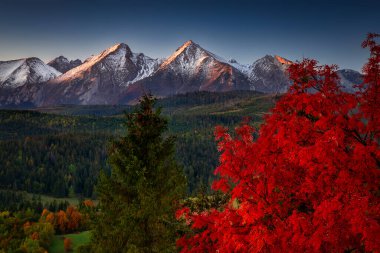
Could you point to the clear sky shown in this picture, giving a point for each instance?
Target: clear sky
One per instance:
(329, 31)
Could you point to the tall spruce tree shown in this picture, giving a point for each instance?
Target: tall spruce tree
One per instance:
(138, 200)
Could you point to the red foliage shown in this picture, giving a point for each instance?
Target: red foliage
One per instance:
(88, 203)
(73, 218)
(310, 182)
(64, 222)
(61, 221)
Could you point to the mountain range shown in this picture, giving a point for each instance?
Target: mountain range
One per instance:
(119, 76)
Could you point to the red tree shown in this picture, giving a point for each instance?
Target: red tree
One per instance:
(310, 181)
(74, 218)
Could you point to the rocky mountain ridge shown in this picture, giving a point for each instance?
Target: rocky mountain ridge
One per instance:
(119, 76)
(62, 64)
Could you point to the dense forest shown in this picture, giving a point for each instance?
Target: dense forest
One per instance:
(59, 151)
(51, 158)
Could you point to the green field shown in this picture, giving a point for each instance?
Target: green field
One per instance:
(47, 199)
(77, 240)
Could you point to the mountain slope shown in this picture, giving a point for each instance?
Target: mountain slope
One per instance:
(17, 73)
(268, 74)
(243, 68)
(62, 64)
(189, 68)
(119, 76)
(100, 79)
(349, 78)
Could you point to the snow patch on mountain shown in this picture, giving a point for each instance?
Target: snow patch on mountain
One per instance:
(7, 68)
(265, 64)
(243, 68)
(268, 74)
(185, 59)
(16, 73)
(114, 59)
(117, 60)
(147, 66)
(191, 59)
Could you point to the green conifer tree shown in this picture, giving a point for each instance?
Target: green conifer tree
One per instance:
(138, 200)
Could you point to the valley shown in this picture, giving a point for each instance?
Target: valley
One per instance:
(59, 151)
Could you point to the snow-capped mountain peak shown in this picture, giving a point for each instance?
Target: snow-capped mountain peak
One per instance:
(17, 73)
(101, 78)
(118, 75)
(191, 68)
(189, 58)
(117, 49)
(268, 74)
(182, 50)
(112, 59)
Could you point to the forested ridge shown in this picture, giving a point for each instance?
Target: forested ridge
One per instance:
(60, 153)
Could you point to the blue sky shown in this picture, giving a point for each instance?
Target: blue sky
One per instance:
(329, 31)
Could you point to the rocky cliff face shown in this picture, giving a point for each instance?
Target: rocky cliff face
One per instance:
(62, 64)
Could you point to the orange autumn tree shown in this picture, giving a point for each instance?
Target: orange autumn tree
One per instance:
(70, 220)
(74, 218)
(61, 221)
(310, 181)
